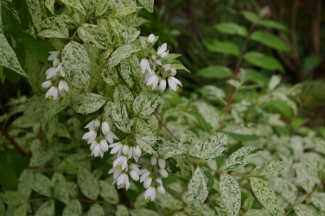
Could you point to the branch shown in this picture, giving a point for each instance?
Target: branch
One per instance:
(13, 142)
(162, 123)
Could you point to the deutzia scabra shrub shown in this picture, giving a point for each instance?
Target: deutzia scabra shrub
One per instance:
(105, 131)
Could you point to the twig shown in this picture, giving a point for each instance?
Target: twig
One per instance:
(162, 123)
(13, 142)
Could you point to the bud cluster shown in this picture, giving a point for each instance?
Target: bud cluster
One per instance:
(55, 80)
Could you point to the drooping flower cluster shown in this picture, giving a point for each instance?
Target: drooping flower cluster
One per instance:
(122, 166)
(149, 179)
(157, 74)
(55, 78)
(98, 144)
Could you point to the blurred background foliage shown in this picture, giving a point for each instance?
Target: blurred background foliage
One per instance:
(186, 24)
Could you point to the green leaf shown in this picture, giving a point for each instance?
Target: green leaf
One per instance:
(263, 61)
(60, 189)
(230, 194)
(198, 188)
(250, 16)
(76, 64)
(55, 26)
(41, 156)
(121, 211)
(310, 62)
(126, 73)
(306, 180)
(124, 11)
(73, 208)
(88, 184)
(215, 72)
(303, 210)
(21, 210)
(76, 4)
(96, 209)
(167, 201)
(8, 57)
(89, 103)
(146, 143)
(145, 104)
(121, 53)
(12, 198)
(54, 107)
(171, 148)
(270, 40)
(101, 6)
(186, 138)
(288, 190)
(210, 149)
(147, 4)
(46, 209)
(231, 28)
(264, 194)
(318, 199)
(142, 212)
(274, 82)
(272, 24)
(42, 184)
(8, 181)
(108, 191)
(25, 184)
(120, 116)
(268, 167)
(94, 35)
(123, 94)
(50, 5)
(224, 47)
(241, 157)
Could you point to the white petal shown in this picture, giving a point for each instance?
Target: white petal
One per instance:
(162, 163)
(104, 145)
(162, 84)
(161, 189)
(153, 81)
(147, 182)
(163, 173)
(53, 55)
(63, 87)
(151, 38)
(47, 84)
(134, 175)
(153, 161)
(52, 93)
(105, 128)
(162, 49)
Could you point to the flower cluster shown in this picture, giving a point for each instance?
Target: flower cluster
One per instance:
(55, 78)
(149, 179)
(157, 74)
(122, 167)
(98, 144)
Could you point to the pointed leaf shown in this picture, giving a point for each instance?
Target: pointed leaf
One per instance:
(231, 28)
(120, 116)
(230, 194)
(263, 61)
(108, 191)
(88, 184)
(145, 104)
(89, 103)
(76, 4)
(210, 149)
(42, 184)
(269, 167)
(147, 4)
(215, 72)
(12, 198)
(264, 194)
(145, 143)
(76, 64)
(46, 209)
(270, 40)
(96, 209)
(94, 35)
(122, 53)
(73, 208)
(224, 47)
(303, 210)
(171, 148)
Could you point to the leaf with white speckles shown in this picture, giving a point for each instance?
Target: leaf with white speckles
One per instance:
(264, 194)
(241, 157)
(147, 4)
(8, 57)
(230, 194)
(94, 35)
(145, 104)
(212, 148)
(76, 4)
(89, 103)
(120, 116)
(122, 53)
(76, 64)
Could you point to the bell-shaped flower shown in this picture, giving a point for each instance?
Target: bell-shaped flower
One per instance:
(162, 84)
(116, 148)
(117, 172)
(103, 145)
(96, 149)
(161, 163)
(52, 93)
(47, 84)
(93, 124)
(53, 55)
(136, 153)
(63, 87)
(162, 51)
(150, 194)
(90, 136)
(153, 81)
(151, 38)
(123, 181)
(121, 162)
(173, 83)
(145, 66)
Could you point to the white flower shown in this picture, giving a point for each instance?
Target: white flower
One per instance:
(151, 38)
(173, 83)
(153, 81)
(52, 93)
(145, 66)
(121, 162)
(162, 163)
(162, 51)
(92, 125)
(53, 55)
(103, 145)
(63, 87)
(105, 128)
(163, 173)
(162, 84)
(123, 181)
(134, 175)
(96, 149)
(153, 161)
(116, 148)
(156, 61)
(150, 194)
(110, 137)
(90, 136)
(56, 62)
(52, 72)
(145, 174)
(161, 189)
(148, 75)
(147, 182)
(47, 84)
(117, 172)
(125, 149)
(136, 153)
(61, 71)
